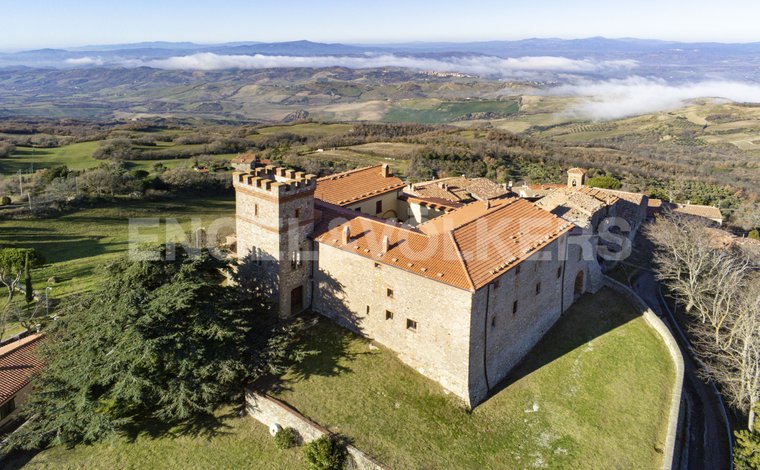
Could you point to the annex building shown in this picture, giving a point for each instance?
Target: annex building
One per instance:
(460, 277)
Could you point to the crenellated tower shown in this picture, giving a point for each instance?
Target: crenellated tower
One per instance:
(274, 213)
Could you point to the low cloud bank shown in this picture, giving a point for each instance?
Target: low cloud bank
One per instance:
(476, 65)
(85, 61)
(613, 99)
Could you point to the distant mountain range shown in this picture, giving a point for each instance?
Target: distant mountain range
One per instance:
(260, 80)
(650, 51)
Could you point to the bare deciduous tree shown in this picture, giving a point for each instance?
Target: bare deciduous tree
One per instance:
(720, 287)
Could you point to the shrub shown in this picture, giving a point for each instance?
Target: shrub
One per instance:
(754, 234)
(604, 182)
(285, 438)
(325, 453)
(5, 200)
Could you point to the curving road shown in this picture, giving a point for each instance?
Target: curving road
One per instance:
(704, 439)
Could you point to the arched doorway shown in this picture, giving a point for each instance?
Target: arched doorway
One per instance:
(578, 288)
(390, 214)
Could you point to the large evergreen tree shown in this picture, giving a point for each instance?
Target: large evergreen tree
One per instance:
(159, 340)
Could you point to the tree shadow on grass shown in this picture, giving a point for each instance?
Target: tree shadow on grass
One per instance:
(201, 425)
(327, 339)
(590, 317)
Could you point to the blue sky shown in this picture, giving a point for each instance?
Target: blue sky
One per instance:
(62, 23)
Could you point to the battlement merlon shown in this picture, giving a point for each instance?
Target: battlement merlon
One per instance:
(275, 180)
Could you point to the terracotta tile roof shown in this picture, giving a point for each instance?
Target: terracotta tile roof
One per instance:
(536, 190)
(432, 202)
(635, 198)
(466, 248)
(708, 212)
(356, 185)
(505, 236)
(577, 205)
(458, 189)
(18, 363)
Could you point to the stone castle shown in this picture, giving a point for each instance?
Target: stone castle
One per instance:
(459, 276)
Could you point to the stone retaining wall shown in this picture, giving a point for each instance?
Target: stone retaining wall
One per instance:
(675, 352)
(269, 411)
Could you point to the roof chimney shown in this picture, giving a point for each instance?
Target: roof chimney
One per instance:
(346, 235)
(386, 244)
(386, 170)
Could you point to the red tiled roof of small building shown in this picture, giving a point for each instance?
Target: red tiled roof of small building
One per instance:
(18, 363)
(708, 212)
(356, 185)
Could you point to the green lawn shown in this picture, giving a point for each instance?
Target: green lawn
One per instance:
(75, 156)
(241, 443)
(75, 244)
(601, 379)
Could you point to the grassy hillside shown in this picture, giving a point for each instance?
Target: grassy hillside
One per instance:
(75, 244)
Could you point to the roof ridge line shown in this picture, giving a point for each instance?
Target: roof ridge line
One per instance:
(458, 251)
(488, 211)
(347, 172)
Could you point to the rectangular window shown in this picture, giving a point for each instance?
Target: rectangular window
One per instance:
(367, 310)
(358, 209)
(378, 207)
(388, 315)
(517, 269)
(580, 253)
(8, 408)
(298, 213)
(538, 288)
(411, 324)
(514, 307)
(378, 265)
(559, 272)
(389, 293)
(493, 321)
(256, 210)
(496, 284)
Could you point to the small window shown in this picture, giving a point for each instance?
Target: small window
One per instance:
(496, 284)
(388, 315)
(378, 265)
(559, 272)
(514, 307)
(378, 207)
(298, 213)
(493, 321)
(538, 288)
(389, 293)
(411, 324)
(517, 269)
(580, 254)
(358, 209)
(367, 310)
(256, 210)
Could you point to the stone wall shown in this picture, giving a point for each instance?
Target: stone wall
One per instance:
(270, 411)
(390, 202)
(506, 334)
(351, 290)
